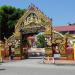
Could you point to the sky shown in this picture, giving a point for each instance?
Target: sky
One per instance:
(61, 11)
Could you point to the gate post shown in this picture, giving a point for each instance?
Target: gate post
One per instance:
(74, 50)
(21, 44)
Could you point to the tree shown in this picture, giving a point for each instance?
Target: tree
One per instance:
(41, 41)
(8, 18)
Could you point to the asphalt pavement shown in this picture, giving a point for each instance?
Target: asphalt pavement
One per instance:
(35, 67)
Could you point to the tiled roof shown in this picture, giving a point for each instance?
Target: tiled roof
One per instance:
(65, 28)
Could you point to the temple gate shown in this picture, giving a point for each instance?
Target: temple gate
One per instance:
(31, 23)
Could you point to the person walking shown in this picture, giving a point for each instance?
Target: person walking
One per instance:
(56, 52)
(11, 52)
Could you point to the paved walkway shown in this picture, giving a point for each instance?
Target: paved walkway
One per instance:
(34, 67)
(31, 62)
(40, 61)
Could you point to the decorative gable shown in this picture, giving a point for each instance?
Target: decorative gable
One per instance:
(32, 15)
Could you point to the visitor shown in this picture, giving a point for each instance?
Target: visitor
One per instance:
(11, 52)
(56, 52)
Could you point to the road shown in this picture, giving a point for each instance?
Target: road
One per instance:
(35, 67)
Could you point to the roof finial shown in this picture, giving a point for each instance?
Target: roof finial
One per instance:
(31, 5)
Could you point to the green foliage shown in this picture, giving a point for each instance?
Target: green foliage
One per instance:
(25, 42)
(41, 41)
(8, 18)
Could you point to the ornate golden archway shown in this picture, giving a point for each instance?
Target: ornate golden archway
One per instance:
(34, 21)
